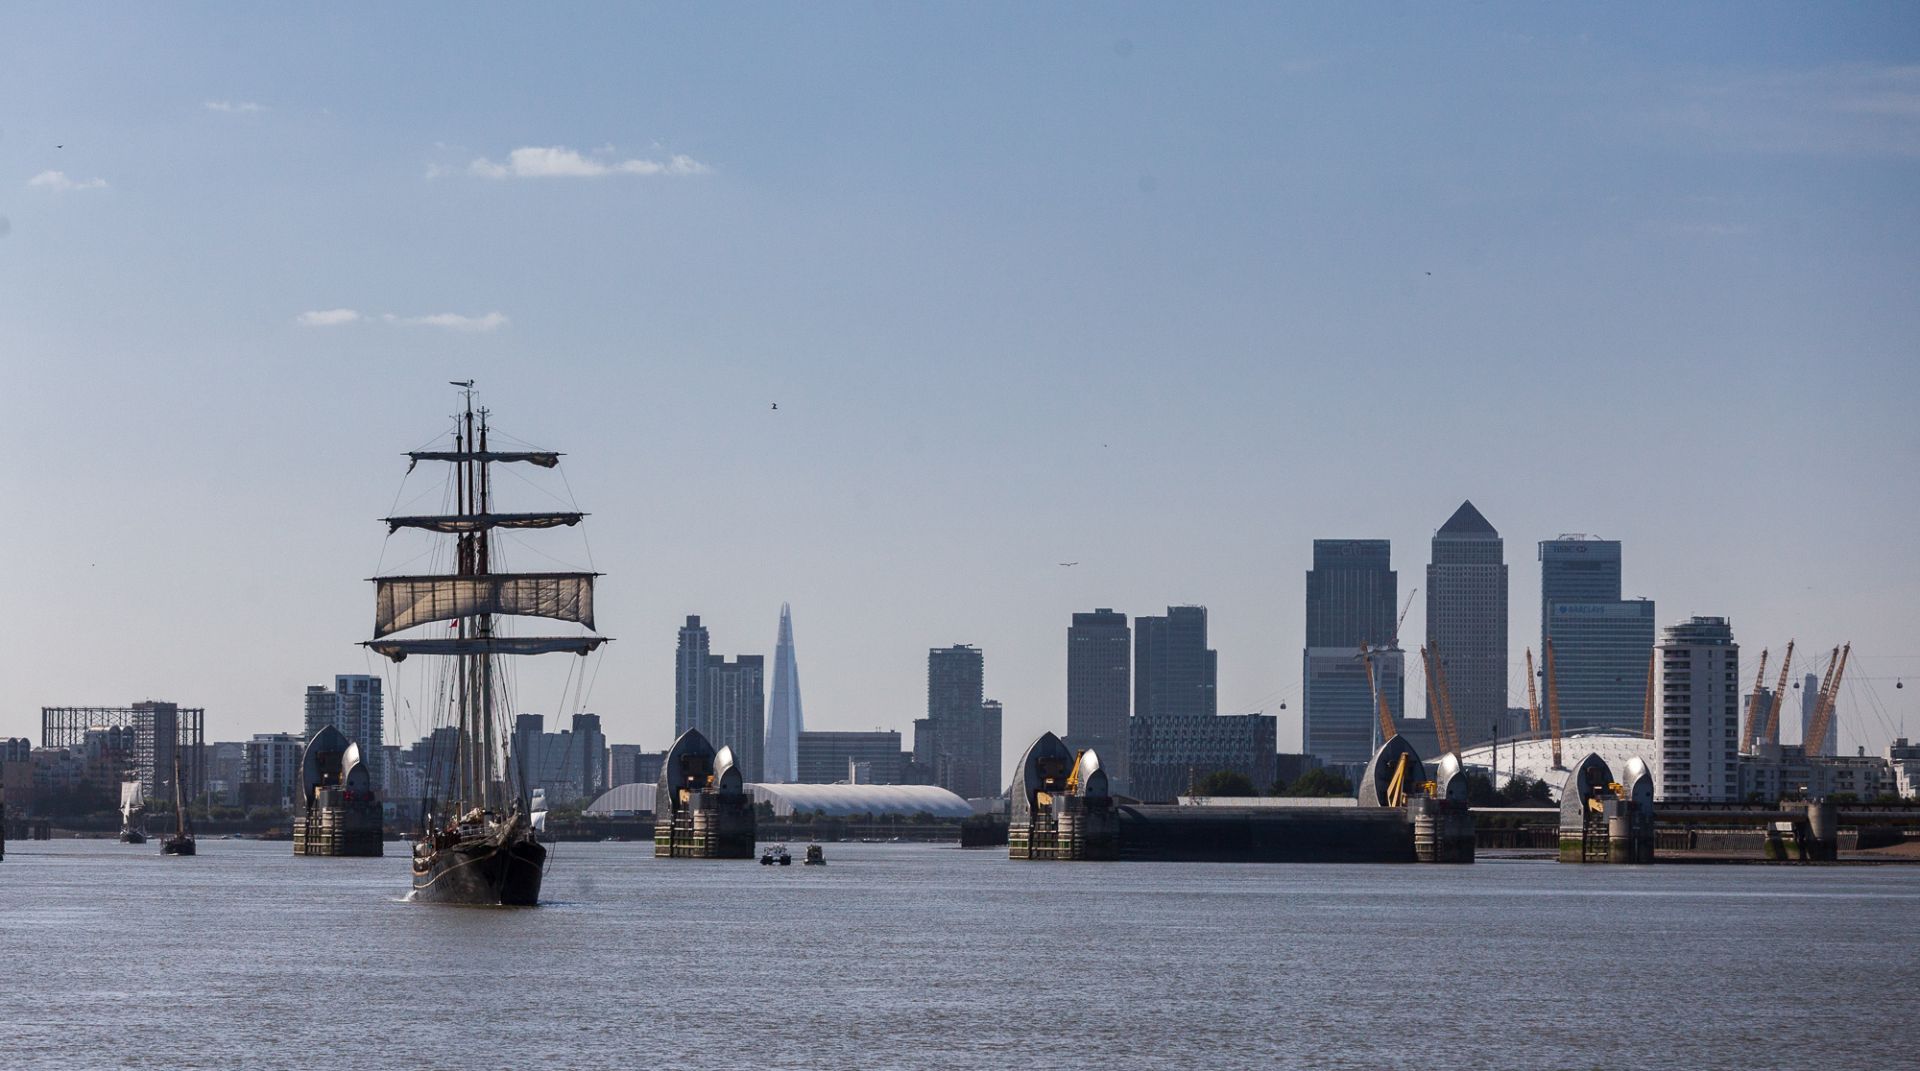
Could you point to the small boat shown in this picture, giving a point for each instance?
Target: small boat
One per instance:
(775, 853)
(181, 843)
(816, 855)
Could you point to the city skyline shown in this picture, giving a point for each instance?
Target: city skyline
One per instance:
(1050, 296)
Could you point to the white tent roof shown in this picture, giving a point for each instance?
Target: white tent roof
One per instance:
(834, 800)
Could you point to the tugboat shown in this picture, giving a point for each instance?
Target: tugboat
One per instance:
(775, 853)
(816, 855)
(482, 847)
(181, 843)
(132, 805)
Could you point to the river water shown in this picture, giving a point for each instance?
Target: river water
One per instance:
(907, 956)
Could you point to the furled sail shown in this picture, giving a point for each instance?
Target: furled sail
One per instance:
(398, 650)
(131, 798)
(546, 459)
(401, 602)
(463, 523)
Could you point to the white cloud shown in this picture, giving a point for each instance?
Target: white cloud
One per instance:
(1854, 110)
(327, 318)
(557, 161)
(58, 182)
(453, 321)
(235, 107)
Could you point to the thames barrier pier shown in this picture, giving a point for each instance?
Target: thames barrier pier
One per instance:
(1061, 808)
(342, 812)
(1603, 820)
(702, 809)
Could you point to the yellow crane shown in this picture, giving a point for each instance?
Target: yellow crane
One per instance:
(1833, 659)
(1753, 706)
(1553, 708)
(1449, 728)
(1816, 740)
(1771, 733)
(1387, 731)
(1533, 699)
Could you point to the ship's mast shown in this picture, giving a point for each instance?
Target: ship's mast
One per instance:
(482, 544)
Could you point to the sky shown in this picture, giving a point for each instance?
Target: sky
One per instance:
(1165, 290)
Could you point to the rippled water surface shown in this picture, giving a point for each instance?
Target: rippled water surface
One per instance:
(899, 956)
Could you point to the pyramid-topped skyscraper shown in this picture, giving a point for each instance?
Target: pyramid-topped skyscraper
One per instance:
(1467, 620)
(784, 723)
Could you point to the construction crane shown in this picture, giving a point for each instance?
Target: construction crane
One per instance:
(1816, 740)
(1533, 699)
(1646, 711)
(1448, 727)
(1553, 708)
(1772, 731)
(1753, 706)
(1402, 619)
(1387, 731)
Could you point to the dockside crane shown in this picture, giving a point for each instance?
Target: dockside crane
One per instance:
(1816, 740)
(1772, 731)
(1387, 731)
(1753, 706)
(1553, 708)
(1533, 699)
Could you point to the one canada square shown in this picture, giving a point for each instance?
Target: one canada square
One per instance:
(1467, 621)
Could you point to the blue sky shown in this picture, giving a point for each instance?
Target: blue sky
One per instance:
(1142, 287)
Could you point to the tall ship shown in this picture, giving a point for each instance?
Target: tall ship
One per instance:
(181, 842)
(477, 844)
(133, 807)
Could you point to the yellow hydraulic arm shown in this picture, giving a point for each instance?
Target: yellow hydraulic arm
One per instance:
(1753, 707)
(1771, 734)
(1433, 699)
(1553, 708)
(1823, 714)
(1533, 699)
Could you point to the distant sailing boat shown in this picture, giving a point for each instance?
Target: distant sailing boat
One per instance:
(181, 843)
(483, 849)
(132, 804)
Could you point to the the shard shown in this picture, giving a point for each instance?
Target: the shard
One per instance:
(784, 724)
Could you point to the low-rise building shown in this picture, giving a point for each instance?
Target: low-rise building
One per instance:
(824, 757)
(1171, 751)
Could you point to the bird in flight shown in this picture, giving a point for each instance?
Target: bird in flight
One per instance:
(1069, 563)
(776, 405)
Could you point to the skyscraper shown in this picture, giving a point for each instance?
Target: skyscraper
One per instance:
(355, 707)
(1699, 697)
(1351, 600)
(1809, 694)
(1602, 644)
(690, 676)
(784, 723)
(736, 707)
(959, 739)
(1467, 621)
(1099, 656)
(1352, 593)
(1174, 672)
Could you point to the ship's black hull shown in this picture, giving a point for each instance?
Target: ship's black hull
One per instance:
(484, 873)
(132, 836)
(177, 846)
